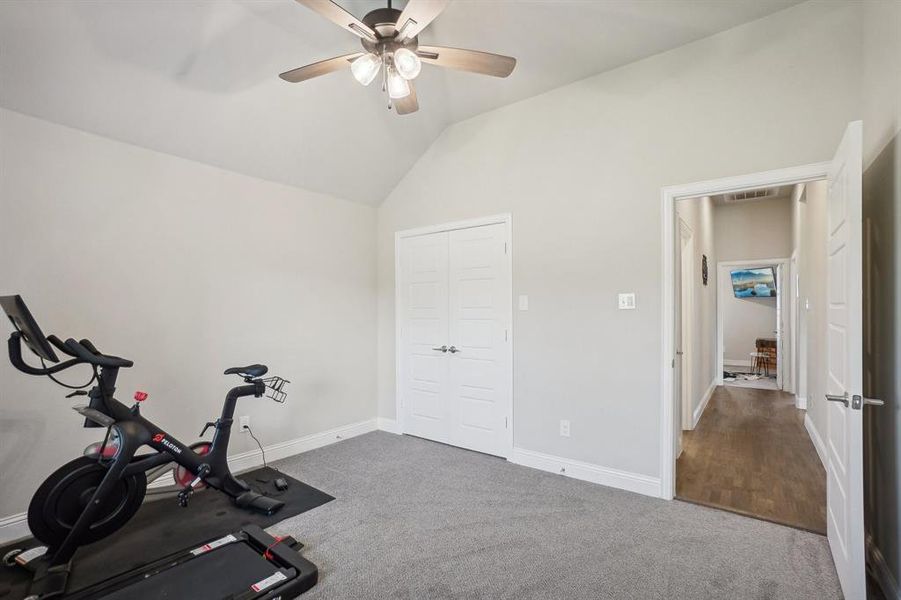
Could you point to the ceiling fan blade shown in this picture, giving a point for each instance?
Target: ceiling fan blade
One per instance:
(340, 17)
(474, 61)
(319, 68)
(408, 104)
(416, 16)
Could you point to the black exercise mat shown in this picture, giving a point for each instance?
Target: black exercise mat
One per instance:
(162, 527)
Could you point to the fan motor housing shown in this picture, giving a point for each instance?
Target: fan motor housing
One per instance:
(383, 21)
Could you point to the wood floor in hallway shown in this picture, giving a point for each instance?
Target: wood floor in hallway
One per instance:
(751, 454)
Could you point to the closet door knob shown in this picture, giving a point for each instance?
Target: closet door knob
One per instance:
(454, 350)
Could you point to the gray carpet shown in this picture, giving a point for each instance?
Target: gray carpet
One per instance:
(415, 519)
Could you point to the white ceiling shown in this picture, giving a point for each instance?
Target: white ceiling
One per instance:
(198, 79)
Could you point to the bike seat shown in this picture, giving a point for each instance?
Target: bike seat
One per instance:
(248, 371)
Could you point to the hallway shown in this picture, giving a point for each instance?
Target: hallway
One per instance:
(751, 454)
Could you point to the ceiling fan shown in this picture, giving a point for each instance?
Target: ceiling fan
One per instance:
(391, 49)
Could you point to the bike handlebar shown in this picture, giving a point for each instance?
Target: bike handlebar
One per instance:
(87, 352)
(81, 353)
(15, 357)
(60, 345)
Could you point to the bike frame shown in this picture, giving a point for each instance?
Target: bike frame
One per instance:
(131, 432)
(134, 431)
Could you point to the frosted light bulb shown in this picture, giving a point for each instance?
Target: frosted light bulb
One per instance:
(407, 63)
(366, 67)
(398, 87)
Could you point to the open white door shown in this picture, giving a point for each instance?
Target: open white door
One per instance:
(844, 386)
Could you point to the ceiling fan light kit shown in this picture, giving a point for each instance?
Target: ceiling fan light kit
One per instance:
(366, 67)
(391, 48)
(407, 63)
(398, 87)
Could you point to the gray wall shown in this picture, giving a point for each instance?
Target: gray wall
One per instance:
(698, 215)
(187, 270)
(750, 231)
(882, 276)
(580, 168)
(813, 239)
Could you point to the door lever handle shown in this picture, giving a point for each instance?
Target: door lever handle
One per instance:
(843, 398)
(454, 350)
(873, 402)
(440, 349)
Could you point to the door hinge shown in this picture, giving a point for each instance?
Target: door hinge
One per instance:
(672, 364)
(506, 422)
(505, 247)
(505, 335)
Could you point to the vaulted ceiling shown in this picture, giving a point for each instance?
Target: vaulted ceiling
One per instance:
(198, 79)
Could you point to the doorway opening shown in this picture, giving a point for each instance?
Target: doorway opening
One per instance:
(753, 301)
(830, 332)
(742, 260)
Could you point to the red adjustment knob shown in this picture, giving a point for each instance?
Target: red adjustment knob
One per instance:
(140, 396)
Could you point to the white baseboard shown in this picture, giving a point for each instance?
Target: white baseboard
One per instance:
(880, 569)
(624, 480)
(389, 425)
(815, 438)
(699, 411)
(253, 458)
(736, 363)
(801, 402)
(15, 527)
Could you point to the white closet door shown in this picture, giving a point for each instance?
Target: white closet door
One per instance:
(479, 391)
(424, 371)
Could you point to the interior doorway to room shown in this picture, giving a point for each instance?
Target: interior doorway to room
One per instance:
(753, 316)
(742, 443)
(753, 469)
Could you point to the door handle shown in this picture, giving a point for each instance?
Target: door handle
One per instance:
(440, 349)
(679, 353)
(843, 398)
(857, 402)
(454, 350)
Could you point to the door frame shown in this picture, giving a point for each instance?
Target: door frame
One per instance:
(794, 277)
(686, 308)
(781, 297)
(668, 197)
(505, 219)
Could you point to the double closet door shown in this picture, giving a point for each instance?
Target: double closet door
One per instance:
(454, 351)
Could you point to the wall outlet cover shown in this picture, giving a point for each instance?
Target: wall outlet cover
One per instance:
(243, 424)
(523, 302)
(626, 301)
(564, 427)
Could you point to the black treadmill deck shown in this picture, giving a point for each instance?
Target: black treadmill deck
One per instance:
(214, 575)
(233, 567)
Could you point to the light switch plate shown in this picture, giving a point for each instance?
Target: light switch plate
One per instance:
(627, 301)
(523, 302)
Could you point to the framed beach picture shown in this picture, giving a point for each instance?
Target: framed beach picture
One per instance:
(754, 283)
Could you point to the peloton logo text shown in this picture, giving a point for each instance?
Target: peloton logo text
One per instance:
(161, 439)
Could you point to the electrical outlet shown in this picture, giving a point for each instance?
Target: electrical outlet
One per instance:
(244, 424)
(564, 427)
(626, 301)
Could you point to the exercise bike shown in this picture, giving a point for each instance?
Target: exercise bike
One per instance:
(89, 498)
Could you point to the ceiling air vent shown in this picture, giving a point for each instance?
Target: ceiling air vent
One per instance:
(749, 195)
